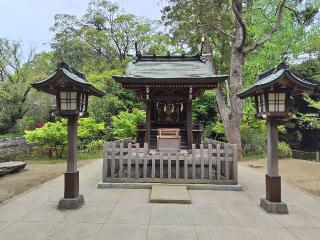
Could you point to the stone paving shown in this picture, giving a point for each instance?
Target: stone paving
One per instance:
(126, 214)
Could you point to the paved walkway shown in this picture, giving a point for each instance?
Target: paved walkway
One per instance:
(126, 214)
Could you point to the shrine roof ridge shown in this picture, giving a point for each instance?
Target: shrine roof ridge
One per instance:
(168, 58)
(169, 69)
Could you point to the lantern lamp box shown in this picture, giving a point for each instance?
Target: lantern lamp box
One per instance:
(273, 89)
(71, 89)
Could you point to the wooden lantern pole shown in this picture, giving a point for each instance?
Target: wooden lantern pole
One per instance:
(272, 202)
(71, 199)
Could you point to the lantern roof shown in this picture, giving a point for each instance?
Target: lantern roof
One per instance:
(279, 75)
(67, 77)
(169, 69)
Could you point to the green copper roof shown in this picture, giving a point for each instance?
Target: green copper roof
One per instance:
(168, 68)
(272, 76)
(75, 77)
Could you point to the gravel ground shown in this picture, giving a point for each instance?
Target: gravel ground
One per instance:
(300, 173)
(34, 174)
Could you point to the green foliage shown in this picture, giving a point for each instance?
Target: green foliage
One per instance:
(204, 109)
(309, 121)
(303, 131)
(89, 128)
(95, 146)
(113, 90)
(312, 103)
(282, 129)
(17, 100)
(253, 131)
(102, 38)
(126, 123)
(53, 136)
(215, 130)
(102, 109)
(284, 150)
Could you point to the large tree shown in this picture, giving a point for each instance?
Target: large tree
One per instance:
(103, 37)
(16, 74)
(13, 90)
(234, 30)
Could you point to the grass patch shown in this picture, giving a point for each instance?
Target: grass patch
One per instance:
(10, 135)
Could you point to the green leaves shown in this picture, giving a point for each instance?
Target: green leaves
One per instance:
(89, 127)
(53, 135)
(102, 38)
(126, 123)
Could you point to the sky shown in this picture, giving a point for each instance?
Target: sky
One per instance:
(29, 20)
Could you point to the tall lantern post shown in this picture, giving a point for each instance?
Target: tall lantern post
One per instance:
(272, 92)
(72, 92)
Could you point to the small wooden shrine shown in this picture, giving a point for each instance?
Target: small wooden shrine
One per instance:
(167, 85)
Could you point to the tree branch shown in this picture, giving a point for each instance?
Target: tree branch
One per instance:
(236, 7)
(261, 11)
(266, 37)
(296, 14)
(218, 30)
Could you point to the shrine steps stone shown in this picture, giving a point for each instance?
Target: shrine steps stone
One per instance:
(164, 193)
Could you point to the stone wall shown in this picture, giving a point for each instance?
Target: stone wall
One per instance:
(14, 148)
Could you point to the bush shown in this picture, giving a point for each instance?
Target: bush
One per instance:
(95, 146)
(88, 131)
(284, 150)
(126, 123)
(52, 137)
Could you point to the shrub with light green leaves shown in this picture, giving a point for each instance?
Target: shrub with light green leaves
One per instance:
(284, 150)
(95, 146)
(89, 130)
(126, 123)
(53, 135)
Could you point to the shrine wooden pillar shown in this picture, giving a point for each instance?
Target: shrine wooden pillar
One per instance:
(148, 122)
(189, 124)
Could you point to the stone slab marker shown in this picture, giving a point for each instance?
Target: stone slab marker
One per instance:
(11, 167)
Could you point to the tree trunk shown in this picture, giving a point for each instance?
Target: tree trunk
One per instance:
(232, 116)
(236, 104)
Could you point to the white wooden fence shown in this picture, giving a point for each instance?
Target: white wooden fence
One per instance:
(214, 162)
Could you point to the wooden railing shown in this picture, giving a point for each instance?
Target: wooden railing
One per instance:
(125, 162)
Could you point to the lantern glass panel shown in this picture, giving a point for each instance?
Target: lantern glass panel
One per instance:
(277, 102)
(261, 103)
(68, 101)
(272, 102)
(282, 102)
(83, 101)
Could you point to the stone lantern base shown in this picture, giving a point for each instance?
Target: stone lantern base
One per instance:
(274, 207)
(71, 203)
(72, 199)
